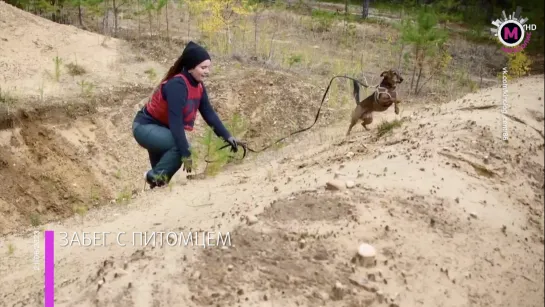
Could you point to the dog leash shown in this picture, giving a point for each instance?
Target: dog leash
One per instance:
(356, 93)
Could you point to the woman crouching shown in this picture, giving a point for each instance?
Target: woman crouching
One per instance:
(160, 125)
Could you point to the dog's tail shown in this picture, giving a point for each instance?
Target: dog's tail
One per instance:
(356, 92)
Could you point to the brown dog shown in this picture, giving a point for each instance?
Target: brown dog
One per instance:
(384, 96)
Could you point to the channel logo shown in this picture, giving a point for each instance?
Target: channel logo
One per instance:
(513, 31)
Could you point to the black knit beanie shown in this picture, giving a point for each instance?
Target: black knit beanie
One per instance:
(193, 55)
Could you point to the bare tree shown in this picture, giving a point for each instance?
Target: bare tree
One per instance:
(365, 9)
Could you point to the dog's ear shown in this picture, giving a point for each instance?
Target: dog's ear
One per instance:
(399, 77)
(383, 73)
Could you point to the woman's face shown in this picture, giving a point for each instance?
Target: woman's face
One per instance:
(201, 71)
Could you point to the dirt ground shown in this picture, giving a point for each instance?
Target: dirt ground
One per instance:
(68, 149)
(454, 212)
(87, 61)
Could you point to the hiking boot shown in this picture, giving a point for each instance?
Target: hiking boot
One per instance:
(152, 182)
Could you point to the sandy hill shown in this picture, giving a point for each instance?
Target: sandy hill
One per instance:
(454, 212)
(89, 62)
(59, 159)
(47, 175)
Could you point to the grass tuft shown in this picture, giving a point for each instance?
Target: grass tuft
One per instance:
(75, 69)
(386, 127)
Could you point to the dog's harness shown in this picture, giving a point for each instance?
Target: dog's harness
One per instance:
(385, 90)
(379, 90)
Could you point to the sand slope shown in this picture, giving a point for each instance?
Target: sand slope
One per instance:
(455, 213)
(107, 62)
(46, 175)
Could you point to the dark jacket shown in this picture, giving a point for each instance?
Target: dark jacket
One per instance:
(175, 93)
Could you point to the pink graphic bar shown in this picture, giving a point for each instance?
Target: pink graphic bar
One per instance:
(49, 280)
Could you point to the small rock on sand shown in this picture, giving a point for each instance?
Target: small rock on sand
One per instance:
(251, 219)
(363, 282)
(366, 255)
(338, 291)
(350, 184)
(335, 185)
(196, 275)
(321, 295)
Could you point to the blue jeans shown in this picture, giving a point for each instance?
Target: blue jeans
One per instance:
(164, 156)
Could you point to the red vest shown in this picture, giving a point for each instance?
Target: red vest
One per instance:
(157, 107)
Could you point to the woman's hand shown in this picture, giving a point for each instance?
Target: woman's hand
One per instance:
(187, 164)
(234, 143)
